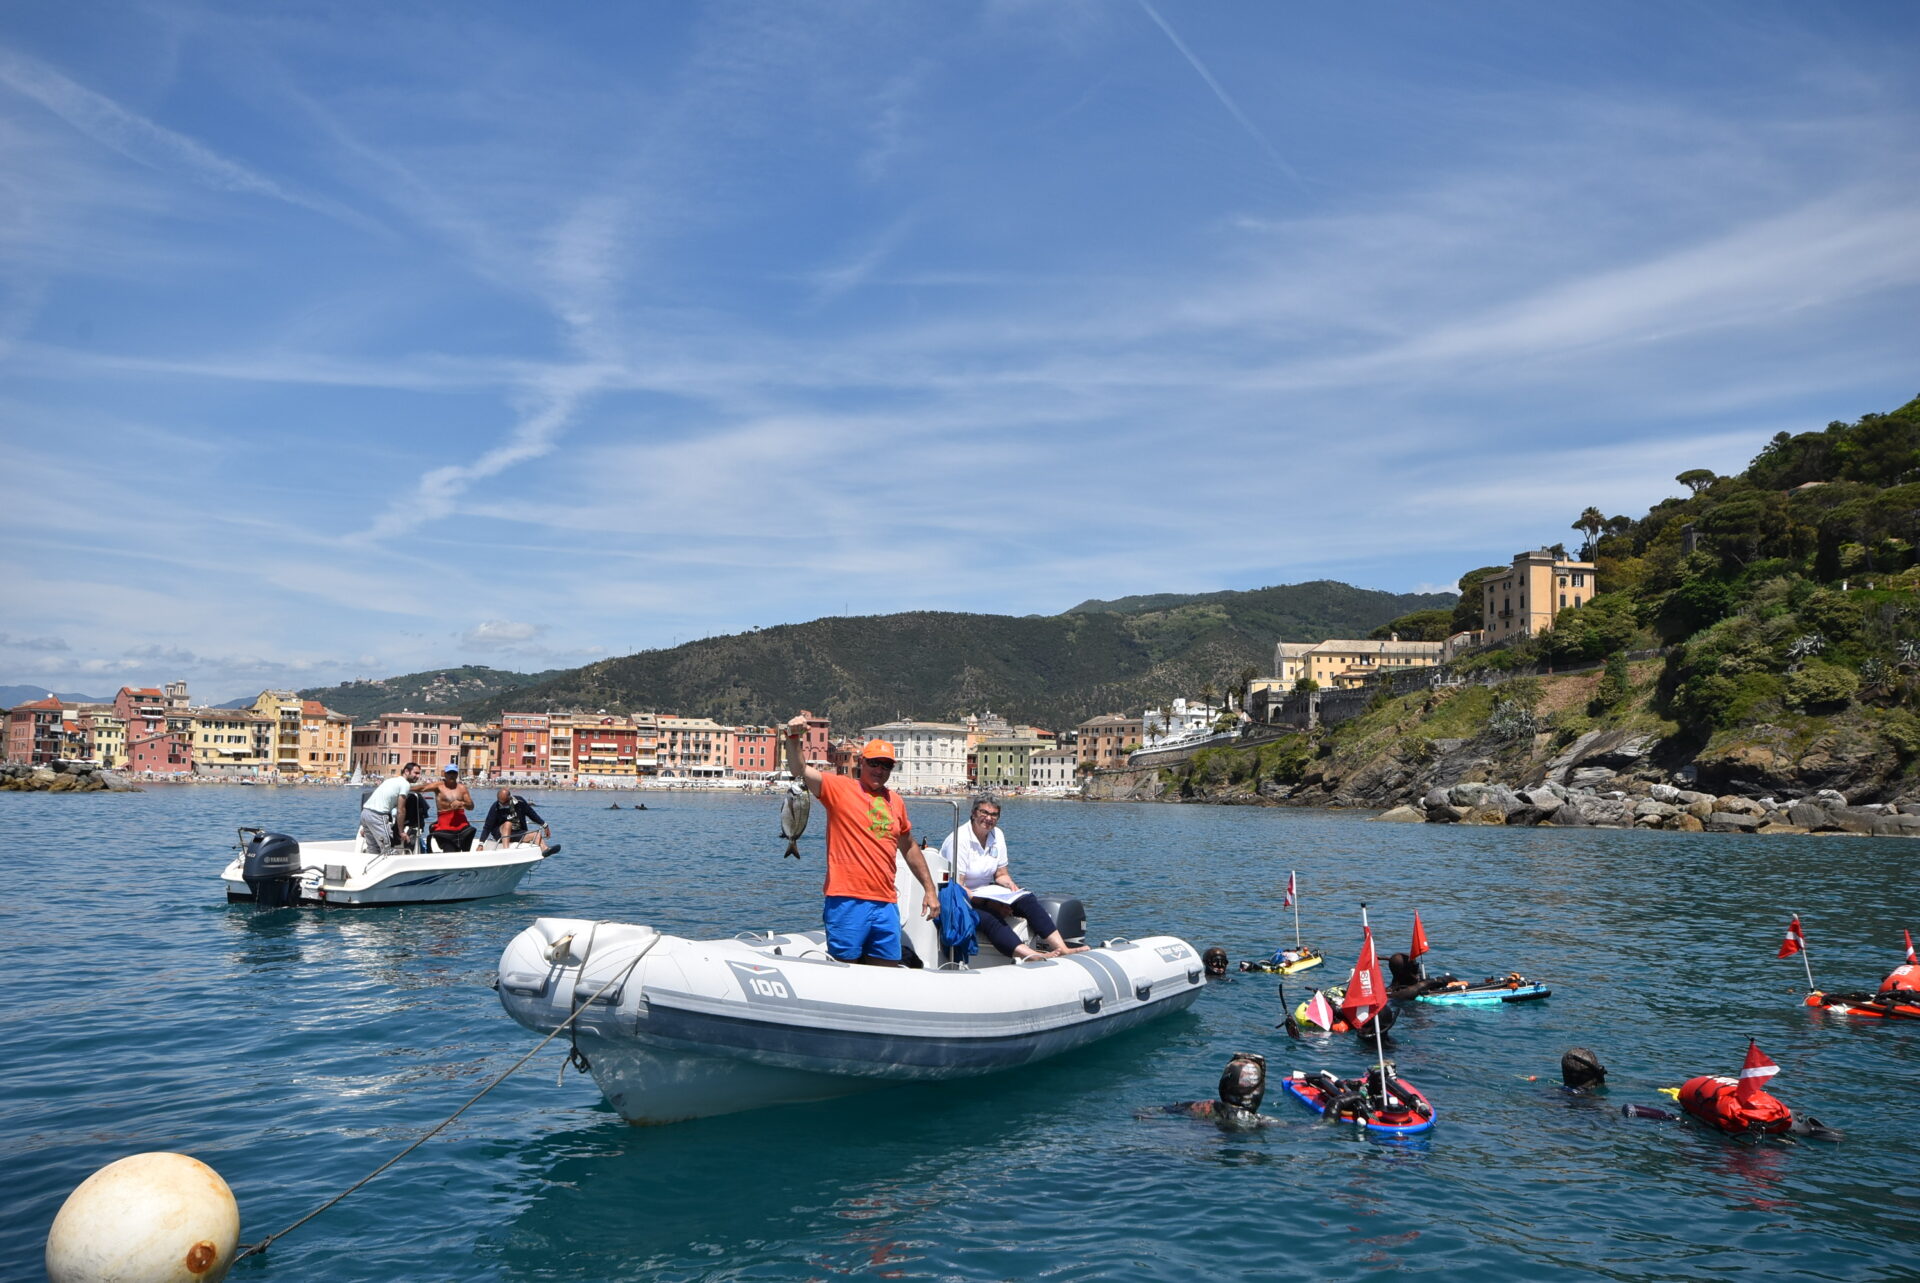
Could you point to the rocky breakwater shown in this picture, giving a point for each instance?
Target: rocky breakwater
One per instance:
(1645, 805)
(61, 777)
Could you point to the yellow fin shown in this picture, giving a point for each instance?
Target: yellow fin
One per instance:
(1671, 1093)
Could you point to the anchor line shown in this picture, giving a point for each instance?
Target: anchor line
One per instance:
(256, 1249)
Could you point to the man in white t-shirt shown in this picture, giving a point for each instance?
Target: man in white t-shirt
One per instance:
(381, 818)
(997, 898)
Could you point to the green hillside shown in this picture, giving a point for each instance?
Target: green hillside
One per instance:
(440, 690)
(1053, 670)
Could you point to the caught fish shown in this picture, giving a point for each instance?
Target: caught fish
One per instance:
(794, 812)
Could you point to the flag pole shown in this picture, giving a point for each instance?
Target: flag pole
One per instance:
(1803, 954)
(1293, 884)
(1379, 1048)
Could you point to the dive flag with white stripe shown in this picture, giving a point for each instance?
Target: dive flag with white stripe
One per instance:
(1366, 988)
(1754, 1074)
(1911, 960)
(1288, 902)
(1796, 940)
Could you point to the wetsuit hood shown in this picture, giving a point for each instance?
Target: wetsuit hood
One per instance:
(1215, 961)
(1243, 1084)
(1581, 1068)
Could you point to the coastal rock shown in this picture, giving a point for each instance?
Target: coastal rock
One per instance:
(1663, 792)
(1732, 822)
(1700, 808)
(1809, 816)
(1686, 823)
(1590, 777)
(1738, 806)
(1829, 797)
(1655, 810)
(1469, 795)
(1401, 815)
(1897, 826)
(1435, 797)
(1774, 829)
(1569, 817)
(1853, 819)
(1484, 815)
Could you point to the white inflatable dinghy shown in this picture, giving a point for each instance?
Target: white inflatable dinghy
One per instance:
(691, 1028)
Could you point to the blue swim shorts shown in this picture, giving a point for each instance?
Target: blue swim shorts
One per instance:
(862, 928)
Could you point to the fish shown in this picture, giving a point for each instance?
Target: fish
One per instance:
(794, 813)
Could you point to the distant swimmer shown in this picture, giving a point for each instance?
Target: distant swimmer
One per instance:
(1236, 1107)
(614, 806)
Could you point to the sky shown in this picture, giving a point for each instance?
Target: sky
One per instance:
(348, 340)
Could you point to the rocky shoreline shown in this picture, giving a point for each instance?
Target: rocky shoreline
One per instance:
(1660, 806)
(62, 777)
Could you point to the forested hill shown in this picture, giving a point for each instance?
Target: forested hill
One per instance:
(439, 690)
(1052, 670)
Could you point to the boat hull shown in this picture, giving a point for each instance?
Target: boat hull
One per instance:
(697, 1028)
(345, 877)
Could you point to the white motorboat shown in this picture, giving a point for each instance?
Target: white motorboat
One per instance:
(674, 1029)
(272, 869)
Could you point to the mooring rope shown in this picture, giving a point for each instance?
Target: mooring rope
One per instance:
(255, 1249)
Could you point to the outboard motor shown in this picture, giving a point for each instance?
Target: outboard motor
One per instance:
(270, 863)
(1070, 915)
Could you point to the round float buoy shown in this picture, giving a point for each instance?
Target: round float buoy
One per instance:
(148, 1218)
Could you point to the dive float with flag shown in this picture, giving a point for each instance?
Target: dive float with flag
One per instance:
(1898, 997)
(1739, 1106)
(1380, 1101)
(1302, 957)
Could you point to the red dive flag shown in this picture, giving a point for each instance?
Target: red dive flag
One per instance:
(1419, 937)
(1366, 988)
(1754, 1074)
(1794, 942)
(1320, 1011)
(1288, 902)
(1911, 960)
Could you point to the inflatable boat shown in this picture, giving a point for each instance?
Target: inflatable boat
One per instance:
(273, 870)
(1406, 1112)
(673, 1028)
(1287, 962)
(1512, 987)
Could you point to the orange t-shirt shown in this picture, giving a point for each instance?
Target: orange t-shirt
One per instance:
(862, 838)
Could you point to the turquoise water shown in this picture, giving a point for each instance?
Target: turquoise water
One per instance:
(296, 1051)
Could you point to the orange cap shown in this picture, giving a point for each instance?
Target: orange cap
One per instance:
(877, 749)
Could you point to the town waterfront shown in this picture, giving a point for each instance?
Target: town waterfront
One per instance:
(295, 1051)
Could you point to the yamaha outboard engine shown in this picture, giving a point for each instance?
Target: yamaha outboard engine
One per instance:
(1069, 915)
(270, 863)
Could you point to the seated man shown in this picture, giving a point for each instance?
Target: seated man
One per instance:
(451, 829)
(510, 815)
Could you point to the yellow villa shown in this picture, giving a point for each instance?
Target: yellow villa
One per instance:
(1525, 600)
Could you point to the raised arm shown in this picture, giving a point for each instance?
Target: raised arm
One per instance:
(793, 746)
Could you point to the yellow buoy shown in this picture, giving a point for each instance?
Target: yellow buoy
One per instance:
(148, 1218)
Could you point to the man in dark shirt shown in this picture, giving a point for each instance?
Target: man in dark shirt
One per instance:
(510, 815)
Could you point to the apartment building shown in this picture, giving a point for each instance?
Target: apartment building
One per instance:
(36, 731)
(231, 742)
(1053, 769)
(927, 755)
(1105, 741)
(477, 746)
(1004, 763)
(604, 749)
(325, 739)
(756, 750)
(1524, 601)
(525, 746)
(1339, 662)
(694, 746)
(281, 713)
(391, 740)
(159, 737)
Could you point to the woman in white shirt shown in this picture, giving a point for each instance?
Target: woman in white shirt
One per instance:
(982, 870)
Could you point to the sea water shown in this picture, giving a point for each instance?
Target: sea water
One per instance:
(297, 1050)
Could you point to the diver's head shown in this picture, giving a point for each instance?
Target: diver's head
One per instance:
(1215, 961)
(1581, 1068)
(1243, 1083)
(1405, 970)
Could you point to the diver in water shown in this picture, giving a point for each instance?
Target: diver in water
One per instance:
(1581, 1071)
(1410, 978)
(1215, 961)
(1243, 1085)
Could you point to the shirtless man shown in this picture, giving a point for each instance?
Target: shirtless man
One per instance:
(451, 829)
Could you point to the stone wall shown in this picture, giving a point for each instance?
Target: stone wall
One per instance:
(61, 777)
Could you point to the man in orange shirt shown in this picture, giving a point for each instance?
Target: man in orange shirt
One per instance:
(866, 826)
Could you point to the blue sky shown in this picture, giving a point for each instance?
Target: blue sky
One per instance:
(348, 340)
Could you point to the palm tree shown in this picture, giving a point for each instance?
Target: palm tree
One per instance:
(1592, 521)
(1207, 693)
